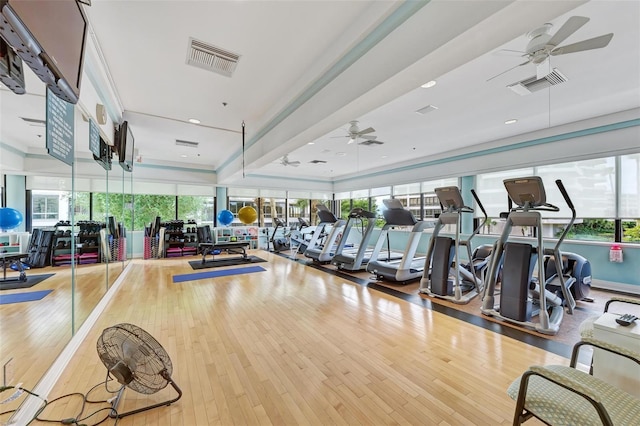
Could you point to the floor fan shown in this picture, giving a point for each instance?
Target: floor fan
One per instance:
(137, 361)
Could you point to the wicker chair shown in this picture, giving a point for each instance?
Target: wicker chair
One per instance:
(561, 395)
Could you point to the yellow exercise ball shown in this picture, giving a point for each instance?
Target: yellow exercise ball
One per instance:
(247, 215)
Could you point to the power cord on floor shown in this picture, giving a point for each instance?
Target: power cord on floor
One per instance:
(74, 421)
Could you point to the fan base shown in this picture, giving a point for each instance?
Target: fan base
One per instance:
(114, 404)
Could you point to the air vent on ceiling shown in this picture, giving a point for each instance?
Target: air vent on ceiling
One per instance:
(317, 161)
(533, 84)
(187, 143)
(427, 109)
(35, 121)
(212, 58)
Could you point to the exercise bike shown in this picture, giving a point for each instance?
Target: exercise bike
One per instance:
(281, 243)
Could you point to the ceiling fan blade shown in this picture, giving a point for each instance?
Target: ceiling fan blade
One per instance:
(572, 25)
(369, 137)
(512, 68)
(592, 43)
(365, 131)
(370, 142)
(294, 163)
(509, 52)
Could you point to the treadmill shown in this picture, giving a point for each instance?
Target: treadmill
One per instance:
(408, 267)
(357, 257)
(322, 246)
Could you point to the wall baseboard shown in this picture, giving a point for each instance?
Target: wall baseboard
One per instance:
(614, 286)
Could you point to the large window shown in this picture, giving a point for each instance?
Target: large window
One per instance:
(198, 208)
(314, 209)
(46, 207)
(604, 191)
(629, 198)
(236, 203)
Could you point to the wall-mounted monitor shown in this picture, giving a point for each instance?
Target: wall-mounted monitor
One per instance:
(105, 155)
(125, 146)
(49, 36)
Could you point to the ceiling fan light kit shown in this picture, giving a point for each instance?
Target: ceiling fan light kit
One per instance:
(542, 44)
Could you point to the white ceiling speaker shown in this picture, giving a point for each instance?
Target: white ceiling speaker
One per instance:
(101, 114)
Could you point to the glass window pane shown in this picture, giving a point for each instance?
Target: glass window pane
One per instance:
(629, 197)
(297, 208)
(385, 190)
(146, 208)
(491, 191)
(48, 207)
(362, 193)
(631, 231)
(431, 185)
(81, 209)
(342, 195)
(272, 207)
(236, 203)
(314, 210)
(410, 188)
(590, 184)
(588, 230)
(198, 208)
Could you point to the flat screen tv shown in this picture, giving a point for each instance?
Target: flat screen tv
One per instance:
(105, 155)
(125, 147)
(49, 36)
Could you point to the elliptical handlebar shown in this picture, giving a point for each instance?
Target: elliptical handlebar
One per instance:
(567, 199)
(484, 213)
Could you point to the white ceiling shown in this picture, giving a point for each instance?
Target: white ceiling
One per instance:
(307, 68)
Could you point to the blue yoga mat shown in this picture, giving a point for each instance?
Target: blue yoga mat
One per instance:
(214, 274)
(5, 299)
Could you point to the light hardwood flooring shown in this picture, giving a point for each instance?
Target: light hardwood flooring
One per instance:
(294, 345)
(33, 334)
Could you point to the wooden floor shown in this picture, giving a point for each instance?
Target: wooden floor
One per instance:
(33, 334)
(294, 345)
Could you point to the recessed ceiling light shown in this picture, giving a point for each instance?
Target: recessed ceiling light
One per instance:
(194, 121)
(429, 84)
(341, 154)
(384, 156)
(513, 120)
(311, 143)
(183, 156)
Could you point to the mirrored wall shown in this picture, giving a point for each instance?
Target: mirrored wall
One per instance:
(74, 233)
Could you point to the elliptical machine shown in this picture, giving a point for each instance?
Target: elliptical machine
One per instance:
(521, 296)
(443, 253)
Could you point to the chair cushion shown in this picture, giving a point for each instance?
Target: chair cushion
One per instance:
(586, 326)
(556, 405)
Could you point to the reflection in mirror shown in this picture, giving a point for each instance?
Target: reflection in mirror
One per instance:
(60, 233)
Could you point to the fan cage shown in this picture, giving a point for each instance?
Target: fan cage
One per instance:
(149, 362)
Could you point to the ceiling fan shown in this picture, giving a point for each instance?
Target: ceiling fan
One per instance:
(542, 45)
(354, 133)
(285, 161)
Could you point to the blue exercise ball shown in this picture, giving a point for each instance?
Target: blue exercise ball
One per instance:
(225, 217)
(9, 218)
